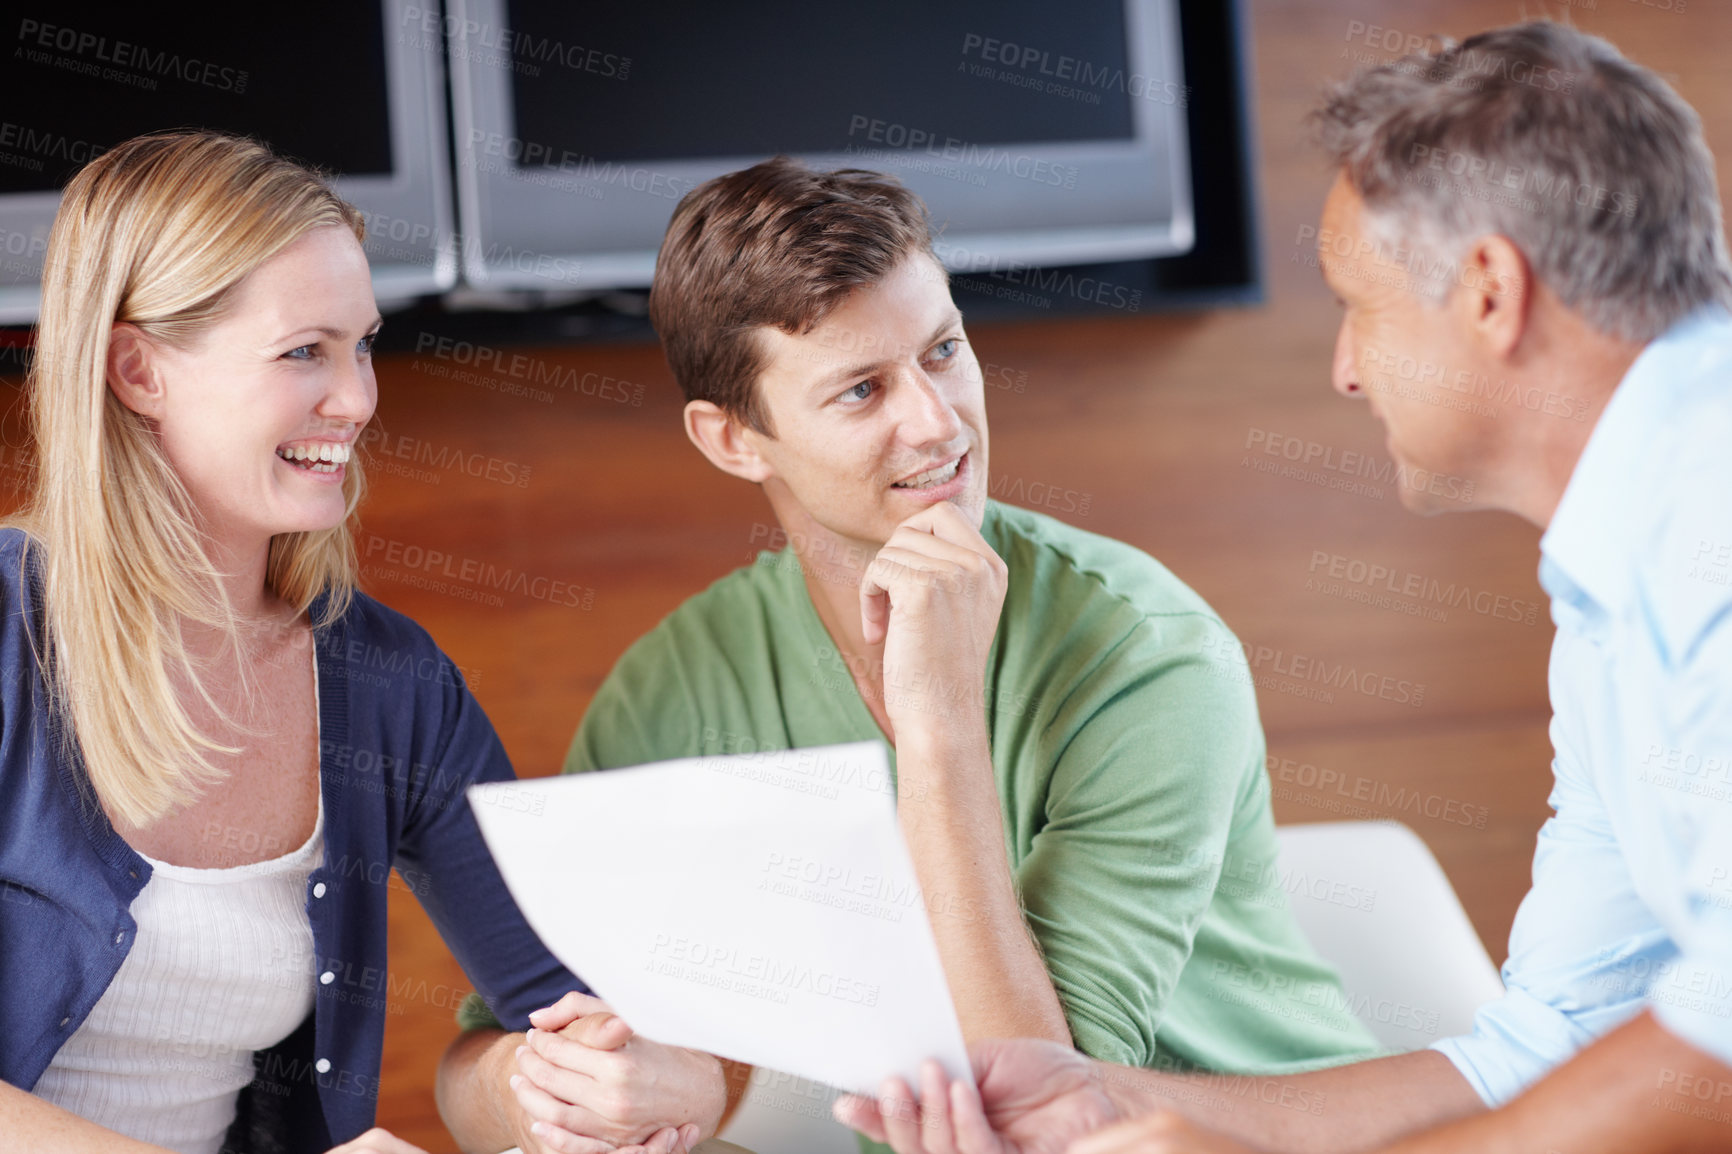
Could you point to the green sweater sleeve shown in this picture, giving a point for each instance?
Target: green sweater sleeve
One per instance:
(1156, 752)
(473, 1014)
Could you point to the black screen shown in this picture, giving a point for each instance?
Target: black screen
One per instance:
(80, 77)
(609, 81)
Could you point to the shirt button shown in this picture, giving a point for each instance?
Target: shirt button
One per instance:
(318, 889)
(120, 937)
(66, 1021)
(327, 978)
(323, 1065)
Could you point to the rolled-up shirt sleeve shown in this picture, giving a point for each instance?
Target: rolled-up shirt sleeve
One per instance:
(1583, 949)
(1643, 741)
(1687, 761)
(1697, 1002)
(1699, 1008)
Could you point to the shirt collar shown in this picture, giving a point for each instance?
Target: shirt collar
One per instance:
(1586, 548)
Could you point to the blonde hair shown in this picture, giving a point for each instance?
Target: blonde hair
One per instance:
(157, 233)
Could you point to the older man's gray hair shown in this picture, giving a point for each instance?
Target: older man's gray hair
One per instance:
(1588, 163)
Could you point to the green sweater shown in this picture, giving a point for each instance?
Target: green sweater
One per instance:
(1130, 767)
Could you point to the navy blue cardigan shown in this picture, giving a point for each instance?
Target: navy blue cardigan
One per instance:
(400, 738)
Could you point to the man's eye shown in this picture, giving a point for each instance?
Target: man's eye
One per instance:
(860, 392)
(366, 344)
(304, 353)
(946, 349)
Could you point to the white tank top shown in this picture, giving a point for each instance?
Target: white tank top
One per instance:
(221, 965)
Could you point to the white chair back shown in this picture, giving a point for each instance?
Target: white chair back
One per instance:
(1377, 906)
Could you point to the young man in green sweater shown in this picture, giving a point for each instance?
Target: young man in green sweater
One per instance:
(1079, 766)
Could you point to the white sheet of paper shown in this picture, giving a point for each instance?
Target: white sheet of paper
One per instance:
(760, 907)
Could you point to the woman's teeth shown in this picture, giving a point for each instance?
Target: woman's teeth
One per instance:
(931, 477)
(326, 457)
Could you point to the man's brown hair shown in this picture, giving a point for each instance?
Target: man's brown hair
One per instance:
(775, 244)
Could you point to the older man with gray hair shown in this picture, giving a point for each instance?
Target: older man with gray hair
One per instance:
(1530, 223)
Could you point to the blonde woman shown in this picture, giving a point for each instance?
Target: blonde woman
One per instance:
(199, 805)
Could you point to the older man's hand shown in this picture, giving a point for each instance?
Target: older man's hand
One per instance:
(1032, 1098)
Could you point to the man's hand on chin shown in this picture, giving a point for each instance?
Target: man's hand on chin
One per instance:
(933, 595)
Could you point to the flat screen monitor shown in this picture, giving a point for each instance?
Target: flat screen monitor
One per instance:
(1036, 133)
(355, 89)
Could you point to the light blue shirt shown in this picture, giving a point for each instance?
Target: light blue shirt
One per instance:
(1631, 905)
